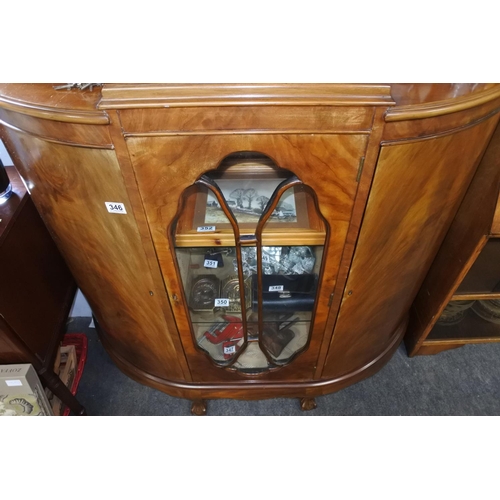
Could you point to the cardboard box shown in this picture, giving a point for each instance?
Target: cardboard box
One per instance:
(21, 392)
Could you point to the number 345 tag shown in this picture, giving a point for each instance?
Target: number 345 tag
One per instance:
(115, 207)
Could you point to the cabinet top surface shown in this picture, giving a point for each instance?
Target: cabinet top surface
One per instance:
(44, 94)
(89, 106)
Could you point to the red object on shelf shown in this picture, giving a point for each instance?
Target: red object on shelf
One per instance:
(80, 341)
(232, 329)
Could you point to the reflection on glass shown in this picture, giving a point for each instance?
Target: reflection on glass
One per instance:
(484, 275)
(467, 320)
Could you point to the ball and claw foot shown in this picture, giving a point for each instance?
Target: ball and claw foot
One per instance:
(307, 404)
(199, 407)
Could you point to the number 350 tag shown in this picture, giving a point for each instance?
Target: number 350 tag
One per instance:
(115, 208)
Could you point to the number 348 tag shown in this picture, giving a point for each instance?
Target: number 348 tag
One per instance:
(115, 207)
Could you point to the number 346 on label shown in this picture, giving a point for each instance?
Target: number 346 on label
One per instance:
(115, 207)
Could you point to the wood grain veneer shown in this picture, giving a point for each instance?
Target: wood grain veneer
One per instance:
(412, 203)
(465, 239)
(389, 165)
(248, 119)
(337, 157)
(70, 187)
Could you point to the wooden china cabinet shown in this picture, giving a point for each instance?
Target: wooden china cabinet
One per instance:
(250, 241)
(459, 300)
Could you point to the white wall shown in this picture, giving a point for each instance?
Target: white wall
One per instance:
(4, 156)
(80, 305)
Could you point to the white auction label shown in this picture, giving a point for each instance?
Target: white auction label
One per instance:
(115, 207)
(221, 303)
(14, 383)
(212, 264)
(230, 349)
(276, 288)
(265, 257)
(205, 229)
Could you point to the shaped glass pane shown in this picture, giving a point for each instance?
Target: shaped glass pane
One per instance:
(238, 319)
(290, 277)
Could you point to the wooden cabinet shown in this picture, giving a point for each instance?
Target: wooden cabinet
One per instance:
(36, 291)
(458, 301)
(318, 208)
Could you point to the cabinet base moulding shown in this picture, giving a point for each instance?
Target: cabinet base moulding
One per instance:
(255, 390)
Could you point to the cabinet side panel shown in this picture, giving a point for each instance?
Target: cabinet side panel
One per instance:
(464, 241)
(70, 186)
(416, 192)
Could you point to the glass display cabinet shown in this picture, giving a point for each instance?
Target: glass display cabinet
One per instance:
(251, 294)
(259, 240)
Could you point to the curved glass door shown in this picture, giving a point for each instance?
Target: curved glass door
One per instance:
(249, 246)
(285, 289)
(210, 274)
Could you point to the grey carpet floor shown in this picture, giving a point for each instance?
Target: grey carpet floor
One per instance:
(463, 381)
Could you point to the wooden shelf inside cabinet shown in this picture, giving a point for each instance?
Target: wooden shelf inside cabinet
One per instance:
(475, 296)
(226, 238)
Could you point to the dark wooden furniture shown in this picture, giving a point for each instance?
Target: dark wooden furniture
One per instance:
(386, 168)
(465, 272)
(36, 291)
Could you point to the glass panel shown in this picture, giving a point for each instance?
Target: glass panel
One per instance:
(290, 275)
(253, 360)
(207, 248)
(246, 196)
(210, 280)
(484, 275)
(249, 266)
(192, 229)
(289, 285)
(469, 320)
